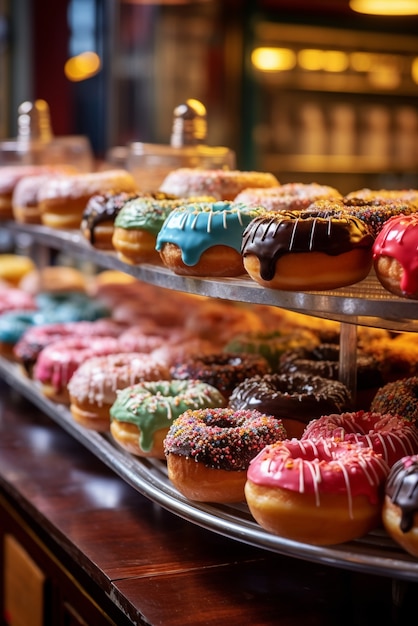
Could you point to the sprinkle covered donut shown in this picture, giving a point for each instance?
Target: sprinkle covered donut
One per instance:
(277, 249)
(295, 399)
(221, 184)
(400, 507)
(322, 493)
(391, 436)
(287, 197)
(223, 370)
(142, 414)
(399, 397)
(208, 451)
(204, 239)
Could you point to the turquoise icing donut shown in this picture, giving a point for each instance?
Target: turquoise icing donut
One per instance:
(196, 227)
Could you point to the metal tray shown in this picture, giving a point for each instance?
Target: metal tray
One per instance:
(375, 553)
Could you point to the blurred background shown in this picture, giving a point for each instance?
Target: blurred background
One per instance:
(309, 90)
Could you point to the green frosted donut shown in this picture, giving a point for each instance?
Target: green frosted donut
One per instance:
(152, 406)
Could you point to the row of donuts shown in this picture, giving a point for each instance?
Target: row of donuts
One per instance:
(241, 434)
(224, 223)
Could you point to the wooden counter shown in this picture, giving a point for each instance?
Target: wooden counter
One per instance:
(109, 556)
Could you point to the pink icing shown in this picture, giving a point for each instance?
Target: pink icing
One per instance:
(391, 436)
(398, 239)
(320, 467)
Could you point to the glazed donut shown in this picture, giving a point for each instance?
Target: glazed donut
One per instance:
(25, 203)
(222, 370)
(277, 249)
(35, 338)
(54, 279)
(142, 414)
(287, 197)
(137, 226)
(94, 385)
(208, 451)
(14, 268)
(322, 493)
(295, 399)
(10, 175)
(98, 218)
(400, 506)
(57, 362)
(395, 256)
(399, 397)
(391, 436)
(62, 200)
(221, 184)
(324, 360)
(271, 345)
(204, 239)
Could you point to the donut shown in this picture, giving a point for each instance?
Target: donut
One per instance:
(321, 493)
(13, 324)
(395, 257)
(14, 298)
(54, 279)
(400, 506)
(271, 345)
(25, 203)
(69, 306)
(277, 249)
(169, 354)
(35, 338)
(142, 414)
(377, 195)
(222, 370)
(290, 196)
(10, 175)
(94, 385)
(97, 220)
(294, 398)
(14, 268)
(221, 184)
(208, 451)
(324, 360)
(399, 397)
(375, 213)
(62, 200)
(57, 362)
(389, 435)
(204, 239)
(137, 226)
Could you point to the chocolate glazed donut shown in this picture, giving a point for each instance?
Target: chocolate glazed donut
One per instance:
(307, 250)
(294, 398)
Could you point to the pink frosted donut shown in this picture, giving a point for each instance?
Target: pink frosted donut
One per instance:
(392, 436)
(94, 385)
(147, 338)
(323, 493)
(13, 299)
(58, 361)
(220, 184)
(35, 338)
(290, 196)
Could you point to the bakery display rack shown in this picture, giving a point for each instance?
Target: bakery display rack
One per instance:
(365, 303)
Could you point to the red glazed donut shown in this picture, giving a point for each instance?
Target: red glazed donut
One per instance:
(208, 451)
(391, 436)
(321, 493)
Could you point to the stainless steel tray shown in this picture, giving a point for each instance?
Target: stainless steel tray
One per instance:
(366, 303)
(375, 553)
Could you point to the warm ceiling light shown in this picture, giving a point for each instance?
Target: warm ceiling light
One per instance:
(82, 66)
(385, 7)
(273, 59)
(311, 59)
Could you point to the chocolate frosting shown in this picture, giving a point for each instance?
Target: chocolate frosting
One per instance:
(402, 489)
(272, 235)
